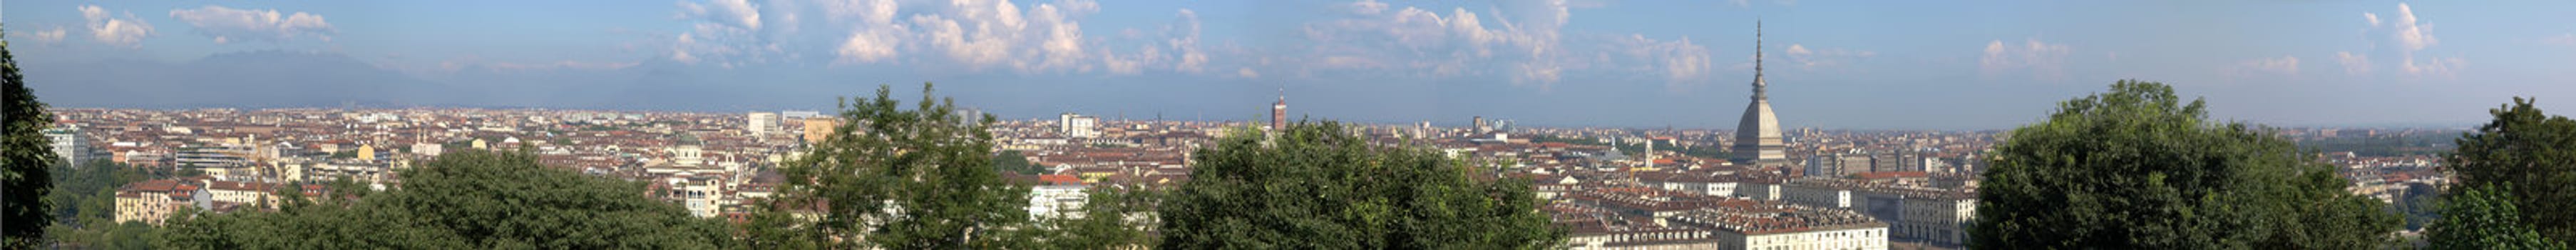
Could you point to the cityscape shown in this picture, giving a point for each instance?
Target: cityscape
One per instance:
(2046, 161)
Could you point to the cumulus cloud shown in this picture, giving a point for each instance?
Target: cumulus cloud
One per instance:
(228, 24)
(1418, 40)
(2041, 59)
(1246, 73)
(968, 35)
(126, 31)
(2284, 65)
(1521, 42)
(2400, 36)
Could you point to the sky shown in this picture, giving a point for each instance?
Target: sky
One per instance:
(1681, 64)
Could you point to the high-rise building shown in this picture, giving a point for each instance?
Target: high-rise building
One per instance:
(1077, 125)
(1757, 139)
(1480, 126)
(68, 144)
(762, 123)
(1279, 111)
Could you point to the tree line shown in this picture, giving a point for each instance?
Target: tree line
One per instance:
(2138, 167)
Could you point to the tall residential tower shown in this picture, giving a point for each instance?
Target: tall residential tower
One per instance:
(1279, 111)
(1757, 139)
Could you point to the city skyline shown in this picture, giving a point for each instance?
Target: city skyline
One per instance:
(1542, 63)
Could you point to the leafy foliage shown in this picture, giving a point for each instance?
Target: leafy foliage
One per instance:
(24, 181)
(1115, 217)
(84, 209)
(919, 178)
(1012, 161)
(2140, 168)
(470, 199)
(2484, 217)
(2531, 154)
(1317, 186)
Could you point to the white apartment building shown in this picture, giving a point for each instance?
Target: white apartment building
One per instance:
(762, 124)
(1937, 219)
(1060, 197)
(1078, 126)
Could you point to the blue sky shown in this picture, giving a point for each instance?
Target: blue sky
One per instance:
(1832, 64)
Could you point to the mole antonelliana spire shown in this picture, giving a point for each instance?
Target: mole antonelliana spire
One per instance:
(1757, 139)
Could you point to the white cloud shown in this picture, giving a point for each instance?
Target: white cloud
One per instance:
(2401, 35)
(228, 24)
(2409, 33)
(1679, 62)
(1185, 39)
(2042, 60)
(43, 36)
(737, 13)
(2284, 65)
(126, 31)
(1246, 73)
(1520, 41)
(956, 35)
(2440, 66)
(1364, 7)
(1810, 59)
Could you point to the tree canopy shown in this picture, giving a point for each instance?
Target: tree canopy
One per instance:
(919, 178)
(2484, 217)
(2138, 167)
(24, 181)
(1317, 186)
(84, 209)
(2531, 154)
(469, 199)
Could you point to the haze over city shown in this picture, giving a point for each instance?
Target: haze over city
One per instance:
(1835, 64)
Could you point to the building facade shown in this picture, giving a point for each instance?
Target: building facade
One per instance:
(761, 124)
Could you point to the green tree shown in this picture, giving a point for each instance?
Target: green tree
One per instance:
(84, 209)
(919, 178)
(2531, 153)
(24, 181)
(470, 199)
(1318, 186)
(2141, 168)
(1114, 217)
(2484, 217)
(1012, 161)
